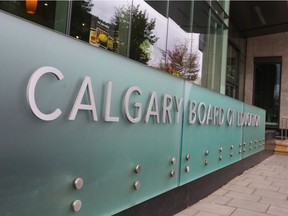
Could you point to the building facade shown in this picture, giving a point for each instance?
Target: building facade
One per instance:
(121, 105)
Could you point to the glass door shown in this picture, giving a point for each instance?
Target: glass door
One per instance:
(267, 80)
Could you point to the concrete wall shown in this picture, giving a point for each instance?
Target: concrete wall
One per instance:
(268, 46)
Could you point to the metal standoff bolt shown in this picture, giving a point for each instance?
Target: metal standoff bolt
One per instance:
(244, 150)
(231, 154)
(206, 152)
(221, 149)
(255, 141)
(240, 151)
(244, 144)
(220, 157)
(259, 140)
(250, 142)
(206, 162)
(76, 205)
(240, 145)
(138, 168)
(78, 183)
(250, 148)
(187, 168)
(260, 144)
(172, 173)
(232, 147)
(173, 160)
(137, 185)
(188, 157)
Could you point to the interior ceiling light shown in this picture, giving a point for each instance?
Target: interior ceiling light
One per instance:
(31, 6)
(260, 15)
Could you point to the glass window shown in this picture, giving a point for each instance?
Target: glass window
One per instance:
(52, 14)
(232, 73)
(104, 24)
(210, 31)
(184, 38)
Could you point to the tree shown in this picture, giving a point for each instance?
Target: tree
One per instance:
(81, 19)
(180, 62)
(141, 36)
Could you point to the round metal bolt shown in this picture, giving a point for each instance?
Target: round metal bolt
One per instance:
(138, 168)
(240, 145)
(244, 150)
(206, 162)
(172, 173)
(187, 169)
(250, 148)
(220, 157)
(221, 149)
(232, 147)
(240, 151)
(78, 183)
(260, 145)
(231, 154)
(187, 157)
(250, 142)
(76, 205)
(173, 160)
(244, 144)
(137, 185)
(259, 140)
(206, 152)
(263, 139)
(256, 141)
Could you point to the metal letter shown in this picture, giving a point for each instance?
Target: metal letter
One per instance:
(30, 93)
(107, 116)
(86, 84)
(153, 103)
(167, 106)
(138, 106)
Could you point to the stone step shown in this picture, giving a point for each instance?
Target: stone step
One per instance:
(281, 147)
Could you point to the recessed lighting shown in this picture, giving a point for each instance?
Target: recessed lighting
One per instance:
(83, 24)
(46, 4)
(77, 37)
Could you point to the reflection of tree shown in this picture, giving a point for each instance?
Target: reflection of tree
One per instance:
(141, 36)
(81, 19)
(180, 62)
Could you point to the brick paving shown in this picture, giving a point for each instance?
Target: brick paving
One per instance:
(259, 191)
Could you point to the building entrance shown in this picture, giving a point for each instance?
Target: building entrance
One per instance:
(267, 80)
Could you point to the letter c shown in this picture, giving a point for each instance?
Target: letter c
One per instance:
(30, 93)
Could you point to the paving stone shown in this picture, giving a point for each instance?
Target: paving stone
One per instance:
(271, 194)
(189, 211)
(217, 199)
(221, 192)
(259, 181)
(264, 187)
(214, 208)
(283, 190)
(277, 211)
(239, 188)
(244, 212)
(274, 202)
(206, 214)
(243, 196)
(244, 204)
(255, 176)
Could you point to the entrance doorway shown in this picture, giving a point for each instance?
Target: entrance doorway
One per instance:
(267, 80)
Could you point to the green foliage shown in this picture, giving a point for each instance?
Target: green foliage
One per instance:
(141, 32)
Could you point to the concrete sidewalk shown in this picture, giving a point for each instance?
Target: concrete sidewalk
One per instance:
(259, 191)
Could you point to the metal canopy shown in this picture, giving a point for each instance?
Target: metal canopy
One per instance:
(255, 18)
